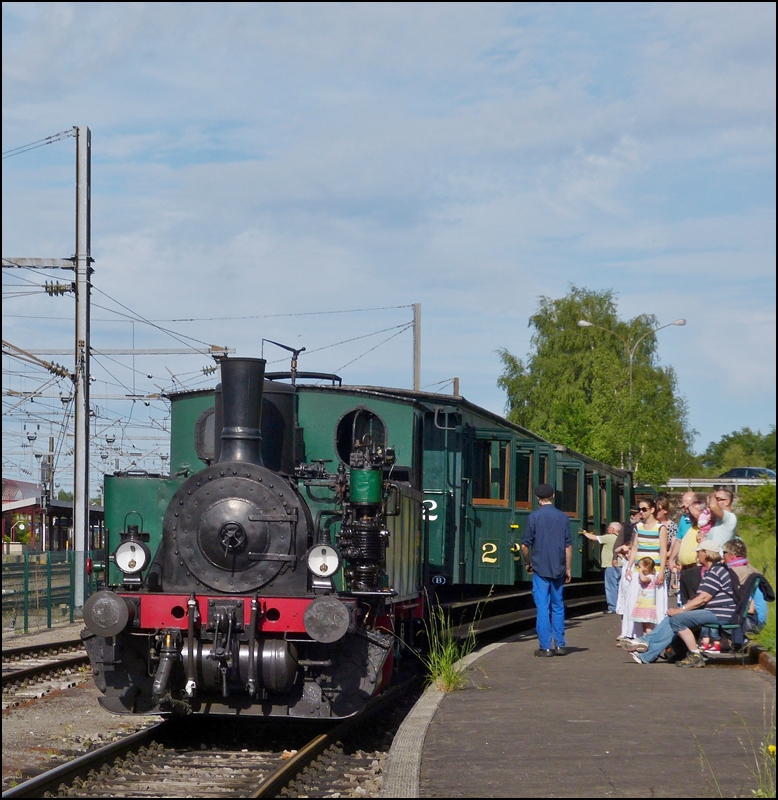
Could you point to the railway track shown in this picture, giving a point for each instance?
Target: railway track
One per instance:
(261, 758)
(222, 758)
(32, 672)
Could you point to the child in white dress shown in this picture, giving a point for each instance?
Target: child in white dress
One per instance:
(645, 606)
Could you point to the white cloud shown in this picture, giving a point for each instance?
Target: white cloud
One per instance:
(253, 159)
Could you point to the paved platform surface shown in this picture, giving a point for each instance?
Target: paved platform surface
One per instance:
(589, 724)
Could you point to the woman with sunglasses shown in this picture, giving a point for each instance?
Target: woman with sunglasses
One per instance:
(650, 541)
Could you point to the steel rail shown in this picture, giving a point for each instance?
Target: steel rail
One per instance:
(50, 781)
(15, 676)
(272, 785)
(269, 787)
(33, 649)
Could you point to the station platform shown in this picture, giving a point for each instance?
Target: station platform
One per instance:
(592, 723)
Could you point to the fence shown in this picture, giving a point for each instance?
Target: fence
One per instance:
(689, 484)
(39, 588)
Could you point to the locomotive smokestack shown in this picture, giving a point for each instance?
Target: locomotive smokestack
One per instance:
(218, 423)
(242, 382)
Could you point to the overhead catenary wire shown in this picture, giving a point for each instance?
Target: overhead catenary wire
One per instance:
(128, 425)
(404, 326)
(25, 148)
(139, 318)
(118, 382)
(409, 325)
(27, 396)
(291, 314)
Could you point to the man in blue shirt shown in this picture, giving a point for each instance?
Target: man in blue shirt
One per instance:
(548, 554)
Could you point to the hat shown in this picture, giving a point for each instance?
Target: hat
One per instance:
(544, 491)
(710, 544)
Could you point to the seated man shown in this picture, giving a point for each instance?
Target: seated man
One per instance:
(714, 603)
(735, 557)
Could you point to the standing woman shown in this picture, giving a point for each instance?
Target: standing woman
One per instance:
(663, 517)
(650, 541)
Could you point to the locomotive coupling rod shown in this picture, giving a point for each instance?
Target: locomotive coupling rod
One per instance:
(191, 682)
(251, 685)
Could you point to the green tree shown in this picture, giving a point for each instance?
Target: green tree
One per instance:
(757, 509)
(575, 387)
(743, 448)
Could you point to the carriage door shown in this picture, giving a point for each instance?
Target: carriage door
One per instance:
(570, 499)
(524, 466)
(590, 551)
(489, 535)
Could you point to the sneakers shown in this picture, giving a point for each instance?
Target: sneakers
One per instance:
(636, 658)
(711, 647)
(636, 646)
(692, 660)
(622, 641)
(541, 653)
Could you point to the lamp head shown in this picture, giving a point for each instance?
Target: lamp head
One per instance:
(584, 323)
(680, 322)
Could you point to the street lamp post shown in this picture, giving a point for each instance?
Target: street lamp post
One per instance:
(630, 348)
(21, 525)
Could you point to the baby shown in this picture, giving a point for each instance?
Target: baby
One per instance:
(705, 520)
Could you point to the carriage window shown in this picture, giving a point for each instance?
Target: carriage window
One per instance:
(590, 500)
(570, 491)
(524, 480)
(616, 507)
(491, 473)
(603, 502)
(542, 468)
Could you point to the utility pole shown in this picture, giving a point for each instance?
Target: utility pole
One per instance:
(416, 347)
(81, 264)
(83, 261)
(47, 481)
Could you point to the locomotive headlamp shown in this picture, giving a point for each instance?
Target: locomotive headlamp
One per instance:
(323, 560)
(132, 556)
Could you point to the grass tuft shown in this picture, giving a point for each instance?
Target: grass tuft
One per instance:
(759, 750)
(443, 658)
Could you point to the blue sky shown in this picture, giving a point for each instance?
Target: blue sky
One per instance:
(254, 160)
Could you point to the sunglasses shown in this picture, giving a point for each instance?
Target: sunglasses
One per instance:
(644, 508)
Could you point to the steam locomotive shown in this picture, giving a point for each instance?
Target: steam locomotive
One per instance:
(280, 569)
